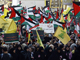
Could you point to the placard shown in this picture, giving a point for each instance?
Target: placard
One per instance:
(9, 38)
(48, 28)
(41, 34)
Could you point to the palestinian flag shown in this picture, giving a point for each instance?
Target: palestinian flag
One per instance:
(1, 8)
(17, 8)
(69, 22)
(31, 24)
(76, 6)
(50, 18)
(31, 9)
(71, 12)
(56, 24)
(46, 9)
(37, 16)
(14, 13)
(57, 15)
(27, 17)
(41, 19)
(77, 29)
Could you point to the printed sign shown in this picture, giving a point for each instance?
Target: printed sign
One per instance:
(9, 38)
(41, 34)
(48, 28)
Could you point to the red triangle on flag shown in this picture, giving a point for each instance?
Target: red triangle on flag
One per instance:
(57, 14)
(76, 6)
(13, 13)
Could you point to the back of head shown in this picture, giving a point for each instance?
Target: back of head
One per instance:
(4, 49)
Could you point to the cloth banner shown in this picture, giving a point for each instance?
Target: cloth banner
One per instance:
(10, 38)
(48, 28)
(40, 32)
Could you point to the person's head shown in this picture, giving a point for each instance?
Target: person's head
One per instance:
(52, 46)
(62, 47)
(78, 43)
(50, 49)
(4, 49)
(38, 48)
(33, 44)
(30, 49)
(67, 48)
(26, 48)
(55, 46)
(58, 49)
(19, 47)
(72, 41)
(41, 49)
(47, 35)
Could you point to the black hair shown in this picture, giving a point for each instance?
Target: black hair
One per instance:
(4, 49)
(73, 40)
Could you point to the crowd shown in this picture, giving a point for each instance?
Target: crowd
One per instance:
(53, 49)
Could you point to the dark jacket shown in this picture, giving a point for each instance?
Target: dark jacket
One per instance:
(26, 54)
(55, 56)
(76, 55)
(39, 55)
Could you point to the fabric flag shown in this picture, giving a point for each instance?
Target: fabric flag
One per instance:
(37, 16)
(27, 17)
(76, 6)
(62, 35)
(31, 15)
(50, 18)
(57, 14)
(12, 27)
(31, 24)
(28, 37)
(8, 25)
(14, 13)
(77, 29)
(62, 19)
(1, 8)
(46, 9)
(68, 18)
(41, 20)
(62, 11)
(5, 13)
(39, 40)
(65, 29)
(56, 24)
(31, 9)
(69, 22)
(67, 11)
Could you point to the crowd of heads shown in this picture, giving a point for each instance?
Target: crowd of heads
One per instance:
(23, 50)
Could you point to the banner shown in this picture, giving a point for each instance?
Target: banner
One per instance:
(41, 34)
(48, 28)
(9, 38)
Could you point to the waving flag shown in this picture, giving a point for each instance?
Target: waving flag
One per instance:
(76, 6)
(62, 35)
(46, 9)
(1, 8)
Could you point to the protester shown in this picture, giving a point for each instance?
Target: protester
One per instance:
(50, 48)
(5, 55)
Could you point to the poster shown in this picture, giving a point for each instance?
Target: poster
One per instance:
(48, 28)
(9, 38)
(41, 34)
